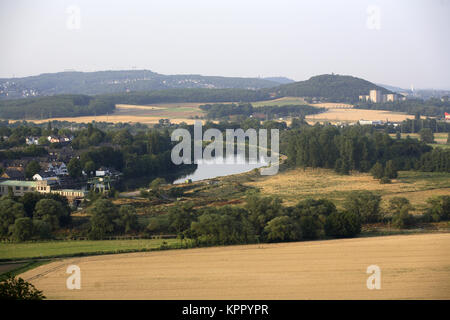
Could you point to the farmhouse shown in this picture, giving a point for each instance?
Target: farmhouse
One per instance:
(59, 168)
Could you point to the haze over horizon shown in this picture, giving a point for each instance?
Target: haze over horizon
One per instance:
(399, 43)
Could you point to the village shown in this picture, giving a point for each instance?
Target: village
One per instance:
(50, 172)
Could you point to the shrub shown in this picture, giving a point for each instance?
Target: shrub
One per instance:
(50, 211)
(18, 289)
(282, 229)
(343, 224)
(426, 135)
(103, 215)
(390, 171)
(385, 180)
(439, 209)
(9, 212)
(403, 219)
(310, 227)
(377, 171)
(263, 209)
(128, 219)
(365, 204)
(42, 229)
(22, 229)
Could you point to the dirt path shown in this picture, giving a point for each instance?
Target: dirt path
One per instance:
(412, 267)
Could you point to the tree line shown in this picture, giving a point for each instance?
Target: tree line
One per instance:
(55, 106)
(265, 219)
(33, 215)
(260, 219)
(222, 110)
(432, 107)
(358, 148)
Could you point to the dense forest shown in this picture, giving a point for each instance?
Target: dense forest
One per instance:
(54, 106)
(188, 95)
(218, 111)
(359, 148)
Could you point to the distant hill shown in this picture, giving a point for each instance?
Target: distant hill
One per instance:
(418, 93)
(102, 82)
(393, 88)
(74, 93)
(329, 87)
(280, 80)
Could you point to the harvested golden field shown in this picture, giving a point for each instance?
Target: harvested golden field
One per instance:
(147, 114)
(118, 118)
(332, 105)
(295, 184)
(188, 111)
(354, 115)
(412, 267)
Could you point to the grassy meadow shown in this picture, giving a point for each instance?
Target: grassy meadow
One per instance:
(293, 185)
(45, 249)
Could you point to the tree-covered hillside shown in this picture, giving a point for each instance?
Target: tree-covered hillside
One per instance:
(102, 82)
(329, 87)
(188, 95)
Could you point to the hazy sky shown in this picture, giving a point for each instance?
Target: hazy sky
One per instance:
(399, 42)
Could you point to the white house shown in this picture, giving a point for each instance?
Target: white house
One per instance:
(373, 122)
(32, 140)
(103, 171)
(59, 168)
(49, 176)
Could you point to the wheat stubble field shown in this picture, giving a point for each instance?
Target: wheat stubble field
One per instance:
(412, 267)
(188, 111)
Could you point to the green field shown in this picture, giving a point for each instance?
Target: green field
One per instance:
(26, 250)
(440, 137)
(280, 102)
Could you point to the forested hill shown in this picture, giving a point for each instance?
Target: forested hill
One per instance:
(329, 87)
(103, 82)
